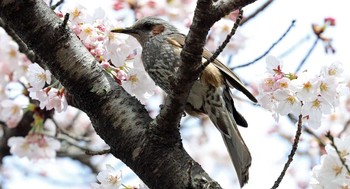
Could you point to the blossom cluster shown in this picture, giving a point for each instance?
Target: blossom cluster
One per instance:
(332, 173)
(13, 65)
(304, 94)
(118, 54)
(18, 76)
(49, 97)
(34, 146)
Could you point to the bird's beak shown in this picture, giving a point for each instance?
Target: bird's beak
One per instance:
(124, 30)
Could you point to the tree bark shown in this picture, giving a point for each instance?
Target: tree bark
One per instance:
(151, 148)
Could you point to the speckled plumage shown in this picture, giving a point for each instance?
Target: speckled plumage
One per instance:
(160, 61)
(210, 94)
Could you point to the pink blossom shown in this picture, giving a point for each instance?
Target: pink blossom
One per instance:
(335, 69)
(40, 95)
(37, 76)
(19, 146)
(331, 173)
(34, 146)
(288, 102)
(49, 98)
(312, 96)
(109, 178)
(273, 65)
(11, 112)
(56, 100)
(78, 14)
(315, 108)
(330, 20)
(138, 82)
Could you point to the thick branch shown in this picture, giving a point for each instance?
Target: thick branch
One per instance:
(117, 117)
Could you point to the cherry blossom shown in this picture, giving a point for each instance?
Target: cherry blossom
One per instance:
(331, 173)
(34, 146)
(139, 83)
(108, 178)
(288, 102)
(11, 112)
(312, 96)
(50, 98)
(37, 76)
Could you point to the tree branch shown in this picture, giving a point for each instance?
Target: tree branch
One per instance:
(117, 117)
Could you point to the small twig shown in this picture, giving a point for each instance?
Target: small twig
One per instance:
(93, 153)
(65, 20)
(319, 140)
(69, 142)
(307, 54)
(321, 144)
(53, 7)
(227, 40)
(292, 153)
(66, 133)
(257, 11)
(268, 50)
(330, 137)
(344, 128)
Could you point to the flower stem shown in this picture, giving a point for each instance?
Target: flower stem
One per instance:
(292, 153)
(330, 137)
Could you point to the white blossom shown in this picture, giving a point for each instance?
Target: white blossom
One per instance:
(37, 76)
(108, 178)
(11, 112)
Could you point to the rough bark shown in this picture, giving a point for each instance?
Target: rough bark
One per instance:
(151, 148)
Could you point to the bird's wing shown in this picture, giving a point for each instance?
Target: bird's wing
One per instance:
(231, 78)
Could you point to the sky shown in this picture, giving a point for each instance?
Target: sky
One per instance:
(269, 151)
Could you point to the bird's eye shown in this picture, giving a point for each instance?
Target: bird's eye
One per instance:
(148, 26)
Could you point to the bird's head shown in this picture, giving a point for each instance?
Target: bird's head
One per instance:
(146, 28)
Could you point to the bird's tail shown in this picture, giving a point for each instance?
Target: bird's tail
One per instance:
(236, 147)
(240, 156)
(222, 113)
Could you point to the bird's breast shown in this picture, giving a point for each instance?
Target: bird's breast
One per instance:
(161, 62)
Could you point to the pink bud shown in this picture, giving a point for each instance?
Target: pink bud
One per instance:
(330, 20)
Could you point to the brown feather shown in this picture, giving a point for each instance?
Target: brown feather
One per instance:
(228, 75)
(211, 76)
(232, 79)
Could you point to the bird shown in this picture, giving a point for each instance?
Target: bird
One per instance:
(210, 94)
